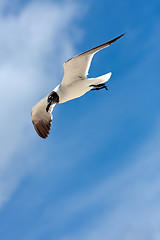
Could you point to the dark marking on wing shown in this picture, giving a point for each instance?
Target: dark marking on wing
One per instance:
(98, 47)
(42, 128)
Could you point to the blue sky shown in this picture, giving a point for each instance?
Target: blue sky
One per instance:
(97, 174)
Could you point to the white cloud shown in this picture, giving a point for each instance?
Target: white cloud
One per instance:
(33, 42)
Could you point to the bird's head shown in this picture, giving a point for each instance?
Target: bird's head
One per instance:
(53, 98)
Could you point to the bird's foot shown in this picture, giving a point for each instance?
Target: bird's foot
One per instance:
(98, 86)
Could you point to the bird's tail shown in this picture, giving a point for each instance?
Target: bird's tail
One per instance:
(102, 79)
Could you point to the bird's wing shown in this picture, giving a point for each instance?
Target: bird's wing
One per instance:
(78, 66)
(42, 119)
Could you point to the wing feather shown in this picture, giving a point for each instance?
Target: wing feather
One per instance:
(42, 119)
(78, 66)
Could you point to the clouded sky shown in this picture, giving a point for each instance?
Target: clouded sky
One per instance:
(97, 175)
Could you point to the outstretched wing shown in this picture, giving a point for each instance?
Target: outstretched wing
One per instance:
(78, 66)
(42, 119)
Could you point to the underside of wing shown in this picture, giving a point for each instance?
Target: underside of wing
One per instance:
(42, 119)
(78, 66)
(42, 128)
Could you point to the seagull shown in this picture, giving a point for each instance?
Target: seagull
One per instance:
(74, 85)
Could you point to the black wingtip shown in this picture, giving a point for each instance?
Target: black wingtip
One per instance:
(122, 35)
(115, 39)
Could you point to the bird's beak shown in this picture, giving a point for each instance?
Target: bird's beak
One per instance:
(48, 105)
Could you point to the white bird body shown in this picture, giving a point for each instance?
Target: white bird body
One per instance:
(79, 87)
(74, 85)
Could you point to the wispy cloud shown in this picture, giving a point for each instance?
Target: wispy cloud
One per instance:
(32, 45)
(121, 205)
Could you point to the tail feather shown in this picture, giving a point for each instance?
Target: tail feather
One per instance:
(101, 79)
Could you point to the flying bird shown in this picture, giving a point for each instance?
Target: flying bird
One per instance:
(74, 84)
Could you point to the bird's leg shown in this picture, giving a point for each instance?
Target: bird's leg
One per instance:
(98, 86)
